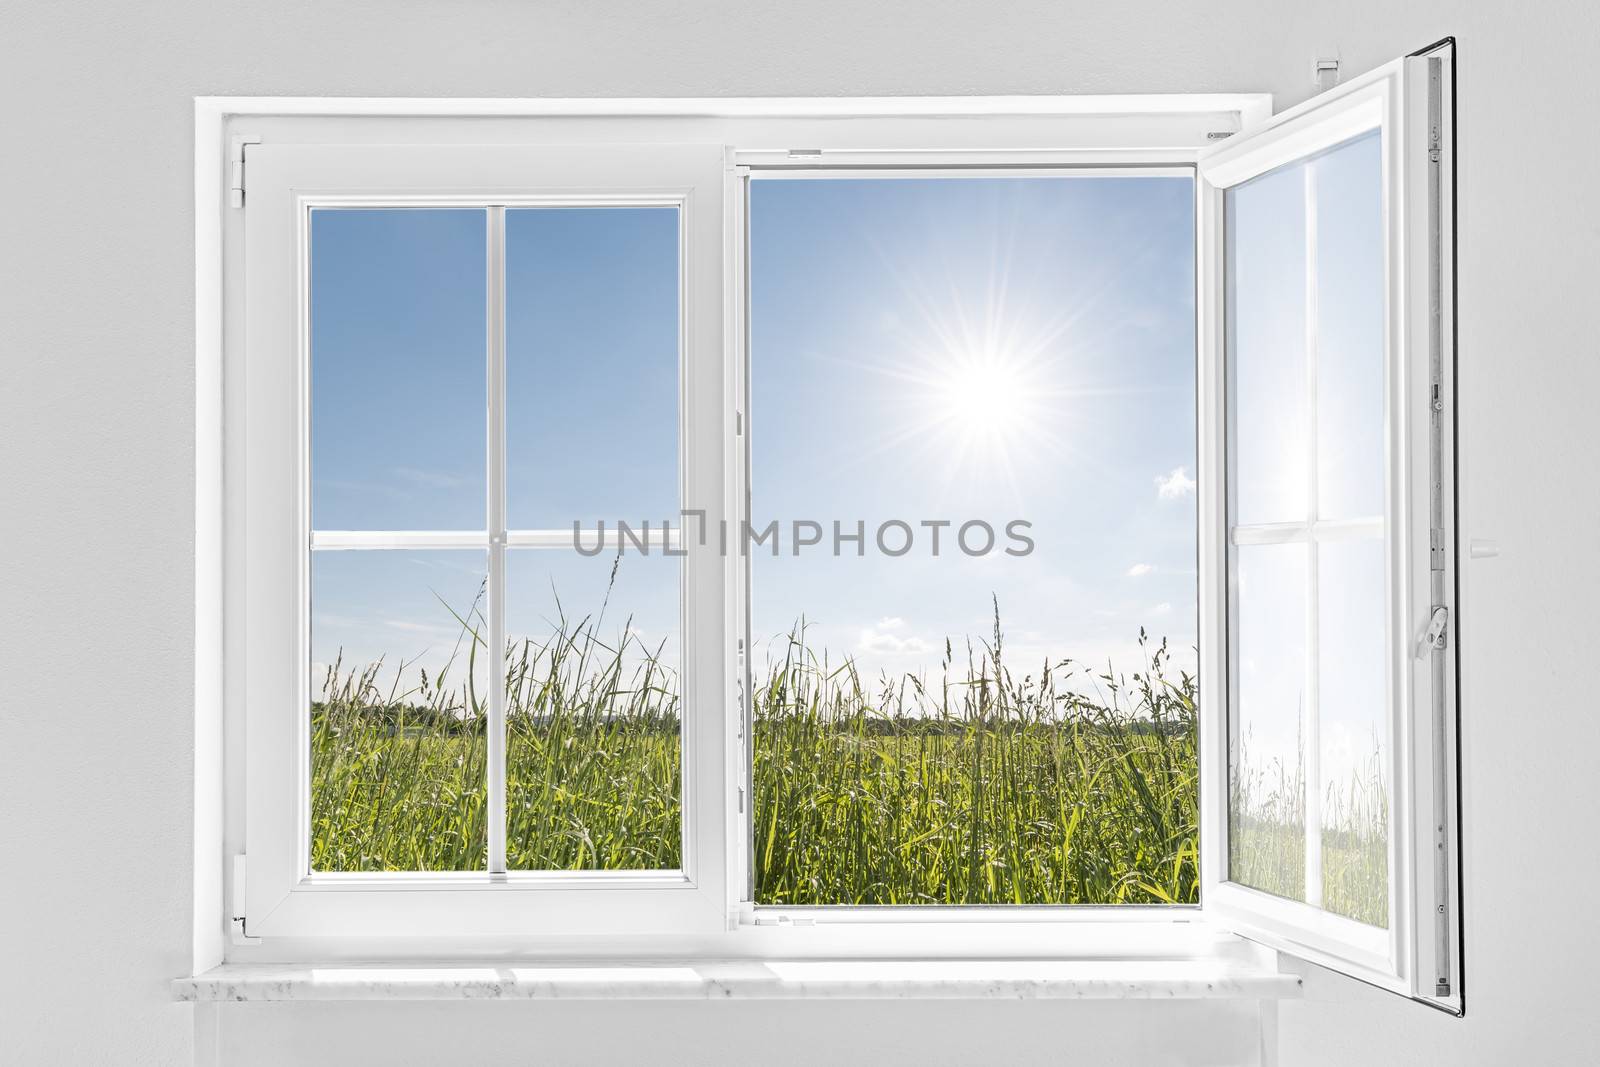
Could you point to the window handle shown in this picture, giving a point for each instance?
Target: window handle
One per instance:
(1434, 637)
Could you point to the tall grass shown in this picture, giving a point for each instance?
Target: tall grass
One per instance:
(991, 787)
(987, 787)
(593, 761)
(592, 758)
(398, 777)
(984, 784)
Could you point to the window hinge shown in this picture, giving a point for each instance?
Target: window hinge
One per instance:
(238, 935)
(236, 918)
(1435, 637)
(741, 800)
(236, 168)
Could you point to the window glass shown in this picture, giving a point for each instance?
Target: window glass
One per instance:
(1353, 719)
(591, 366)
(1309, 762)
(594, 760)
(398, 369)
(1350, 304)
(399, 690)
(401, 659)
(1267, 773)
(1266, 328)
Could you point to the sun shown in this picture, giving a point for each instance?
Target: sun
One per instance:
(984, 396)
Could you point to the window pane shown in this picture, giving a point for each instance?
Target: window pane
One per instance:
(398, 704)
(1353, 725)
(938, 727)
(1266, 287)
(1328, 208)
(594, 759)
(1267, 782)
(1350, 302)
(591, 366)
(398, 369)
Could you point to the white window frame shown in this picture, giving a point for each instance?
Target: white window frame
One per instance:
(1419, 954)
(281, 895)
(1353, 109)
(970, 133)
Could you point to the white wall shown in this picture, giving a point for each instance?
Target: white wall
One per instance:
(97, 459)
(768, 1034)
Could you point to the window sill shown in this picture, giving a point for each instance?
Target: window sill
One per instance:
(1186, 979)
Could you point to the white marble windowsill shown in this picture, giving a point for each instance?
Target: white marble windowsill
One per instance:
(746, 980)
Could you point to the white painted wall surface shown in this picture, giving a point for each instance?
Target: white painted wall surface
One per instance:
(789, 1034)
(97, 460)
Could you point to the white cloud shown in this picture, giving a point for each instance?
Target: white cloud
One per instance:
(884, 638)
(1139, 570)
(1175, 485)
(427, 479)
(1162, 608)
(428, 628)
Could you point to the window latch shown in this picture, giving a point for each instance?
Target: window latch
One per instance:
(1435, 636)
(1324, 73)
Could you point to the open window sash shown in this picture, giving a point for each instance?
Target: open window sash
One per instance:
(1328, 539)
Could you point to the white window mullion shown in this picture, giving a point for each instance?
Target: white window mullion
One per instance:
(1321, 532)
(1311, 729)
(496, 600)
(339, 540)
(652, 538)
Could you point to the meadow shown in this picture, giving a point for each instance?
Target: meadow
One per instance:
(1059, 785)
(993, 787)
(1054, 783)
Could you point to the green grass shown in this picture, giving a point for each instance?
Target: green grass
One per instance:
(993, 788)
(993, 785)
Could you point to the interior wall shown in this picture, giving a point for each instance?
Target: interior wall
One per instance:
(97, 458)
(772, 1034)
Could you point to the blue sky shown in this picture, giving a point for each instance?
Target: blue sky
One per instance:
(398, 424)
(977, 348)
(989, 348)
